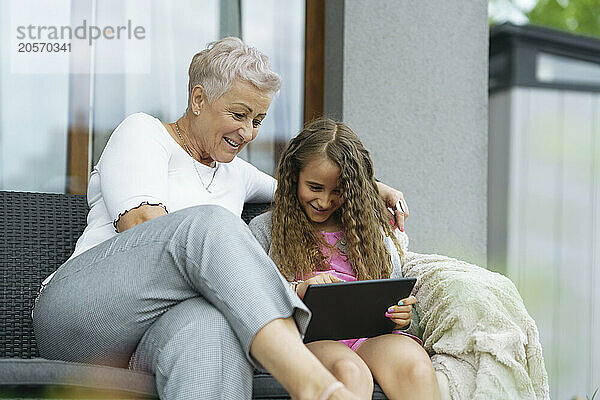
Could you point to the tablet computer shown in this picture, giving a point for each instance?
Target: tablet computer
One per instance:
(348, 310)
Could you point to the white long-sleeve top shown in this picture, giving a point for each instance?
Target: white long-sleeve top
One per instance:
(143, 164)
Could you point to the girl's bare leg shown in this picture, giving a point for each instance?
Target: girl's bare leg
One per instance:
(345, 365)
(401, 367)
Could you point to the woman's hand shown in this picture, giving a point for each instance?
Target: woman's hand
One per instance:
(390, 197)
(401, 314)
(138, 215)
(316, 280)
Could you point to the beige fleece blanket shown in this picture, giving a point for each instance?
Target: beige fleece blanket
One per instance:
(475, 326)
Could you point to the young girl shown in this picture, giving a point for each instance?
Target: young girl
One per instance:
(329, 225)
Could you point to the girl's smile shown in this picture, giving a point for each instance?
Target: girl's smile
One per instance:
(317, 210)
(318, 192)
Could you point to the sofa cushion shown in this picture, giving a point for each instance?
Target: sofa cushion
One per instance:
(38, 378)
(33, 373)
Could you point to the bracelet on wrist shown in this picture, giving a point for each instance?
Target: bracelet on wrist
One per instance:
(294, 285)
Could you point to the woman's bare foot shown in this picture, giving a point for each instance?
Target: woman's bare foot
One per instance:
(335, 391)
(279, 348)
(343, 394)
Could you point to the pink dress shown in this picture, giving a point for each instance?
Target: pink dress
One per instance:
(341, 267)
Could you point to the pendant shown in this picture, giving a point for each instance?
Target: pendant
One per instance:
(200, 178)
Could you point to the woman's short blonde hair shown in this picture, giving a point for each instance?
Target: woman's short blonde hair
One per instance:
(221, 63)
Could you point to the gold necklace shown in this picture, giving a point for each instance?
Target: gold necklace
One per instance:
(187, 149)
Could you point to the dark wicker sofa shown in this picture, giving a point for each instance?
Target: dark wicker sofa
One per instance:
(38, 232)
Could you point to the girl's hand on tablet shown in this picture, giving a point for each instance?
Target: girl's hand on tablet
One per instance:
(316, 280)
(401, 313)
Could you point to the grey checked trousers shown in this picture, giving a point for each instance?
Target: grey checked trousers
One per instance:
(181, 296)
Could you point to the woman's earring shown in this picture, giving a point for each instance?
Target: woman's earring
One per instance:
(196, 112)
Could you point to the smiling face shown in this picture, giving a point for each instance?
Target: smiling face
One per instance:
(223, 127)
(318, 193)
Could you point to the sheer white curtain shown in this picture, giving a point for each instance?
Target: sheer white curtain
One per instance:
(33, 106)
(127, 76)
(277, 29)
(177, 30)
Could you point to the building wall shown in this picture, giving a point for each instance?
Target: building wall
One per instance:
(411, 79)
(551, 197)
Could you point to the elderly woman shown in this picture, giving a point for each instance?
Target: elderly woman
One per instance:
(166, 277)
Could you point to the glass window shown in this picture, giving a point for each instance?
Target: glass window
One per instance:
(102, 81)
(177, 30)
(33, 105)
(551, 68)
(277, 28)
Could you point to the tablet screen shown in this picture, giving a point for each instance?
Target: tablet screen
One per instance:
(349, 310)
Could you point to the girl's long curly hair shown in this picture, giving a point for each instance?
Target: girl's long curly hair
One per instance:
(363, 216)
